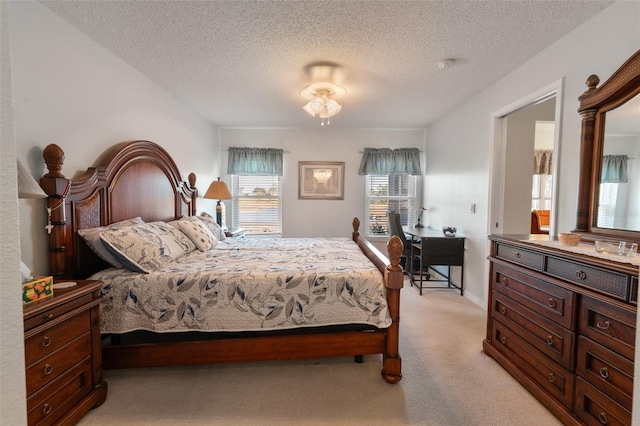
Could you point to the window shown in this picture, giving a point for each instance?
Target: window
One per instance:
(389, 192)
(541, 191)
(607, 204)
(257, 204)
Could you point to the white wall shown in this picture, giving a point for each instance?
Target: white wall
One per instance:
(320, 218)
(72, 92)
(458, 146)
(13, 408)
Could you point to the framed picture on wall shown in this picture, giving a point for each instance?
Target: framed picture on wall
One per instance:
(321, 180)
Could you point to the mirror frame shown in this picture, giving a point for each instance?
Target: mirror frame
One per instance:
(623, 85)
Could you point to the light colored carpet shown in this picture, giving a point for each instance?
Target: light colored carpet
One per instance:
(447, 380)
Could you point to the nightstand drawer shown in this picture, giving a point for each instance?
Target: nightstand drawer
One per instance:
(606, 370)
(52, 366)
(52, 339)
(608, 324)
(39, 318)
(46, 405)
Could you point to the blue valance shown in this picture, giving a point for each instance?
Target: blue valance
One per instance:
(614, 169)
(255, 161)
(386, 161)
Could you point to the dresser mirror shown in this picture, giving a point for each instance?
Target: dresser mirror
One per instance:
(609, 187)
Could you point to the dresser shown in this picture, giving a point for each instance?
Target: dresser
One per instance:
(564, 324)
(63, 355)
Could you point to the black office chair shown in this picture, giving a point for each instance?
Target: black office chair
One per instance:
(395, 228)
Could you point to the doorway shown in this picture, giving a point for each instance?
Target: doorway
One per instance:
(513, 135)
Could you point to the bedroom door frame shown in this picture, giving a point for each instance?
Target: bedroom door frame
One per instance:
(498, 133)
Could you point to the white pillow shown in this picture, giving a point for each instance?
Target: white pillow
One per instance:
(213, 226)
(92, 237)
(146, 247)
(197, 231)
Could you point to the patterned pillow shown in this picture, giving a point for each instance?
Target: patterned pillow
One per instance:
(197, 231)
(146, 247)
(92, 237)
(213, 226)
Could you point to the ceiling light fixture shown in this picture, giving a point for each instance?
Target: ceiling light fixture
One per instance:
(446, 63)
(321, 100)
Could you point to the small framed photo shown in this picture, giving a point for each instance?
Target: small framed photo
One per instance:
(321, 180)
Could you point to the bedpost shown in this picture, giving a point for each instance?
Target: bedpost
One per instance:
(194, 194)
(394, 278)
(56, 186)
(356, 225)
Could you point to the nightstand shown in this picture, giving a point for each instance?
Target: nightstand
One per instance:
(236, 233)
(63, 356)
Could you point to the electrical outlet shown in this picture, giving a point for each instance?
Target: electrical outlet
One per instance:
(472, 208)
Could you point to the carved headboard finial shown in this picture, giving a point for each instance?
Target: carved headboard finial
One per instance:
(592, 82)
(54, 157)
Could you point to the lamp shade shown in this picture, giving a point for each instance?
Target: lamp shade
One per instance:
(27, 185)
(218, 190)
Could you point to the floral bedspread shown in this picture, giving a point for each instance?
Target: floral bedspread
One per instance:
(248, 285)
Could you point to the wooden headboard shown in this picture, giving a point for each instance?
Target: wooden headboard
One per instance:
(137, 178)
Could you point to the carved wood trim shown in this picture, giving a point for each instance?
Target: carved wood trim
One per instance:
(594, 103)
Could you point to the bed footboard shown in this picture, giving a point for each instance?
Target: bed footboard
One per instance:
(394, 279)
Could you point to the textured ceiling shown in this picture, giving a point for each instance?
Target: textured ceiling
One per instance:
(243, 63)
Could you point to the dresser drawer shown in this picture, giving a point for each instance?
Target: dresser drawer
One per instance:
(520, 256)
(609, 325)
(554, 341)
(608, 282)
(48, 368)
(606, 370)
(53, 400)
(550, 376)
(40, 318)
(52, 339)
(549, 300)
(595, 408)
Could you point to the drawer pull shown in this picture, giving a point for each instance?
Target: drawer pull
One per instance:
(48, 369)
(603, 326)
(46, 408)
(550, 340)
(518, 255)
(48, 316)
(503, 339)
(503, 280)
(551, 377)
(604, 372)
(603, 418)
(46, 341)
(551, 303)
(581, 275)
(503, 310)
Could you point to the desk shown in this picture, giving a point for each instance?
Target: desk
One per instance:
(434, 249)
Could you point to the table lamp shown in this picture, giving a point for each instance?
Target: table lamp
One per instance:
(27, 188)
(419, 222)
(218, 190)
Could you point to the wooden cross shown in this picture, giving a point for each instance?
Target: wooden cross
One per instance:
(49, 226)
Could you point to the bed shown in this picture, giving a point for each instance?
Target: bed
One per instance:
(138, 180)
